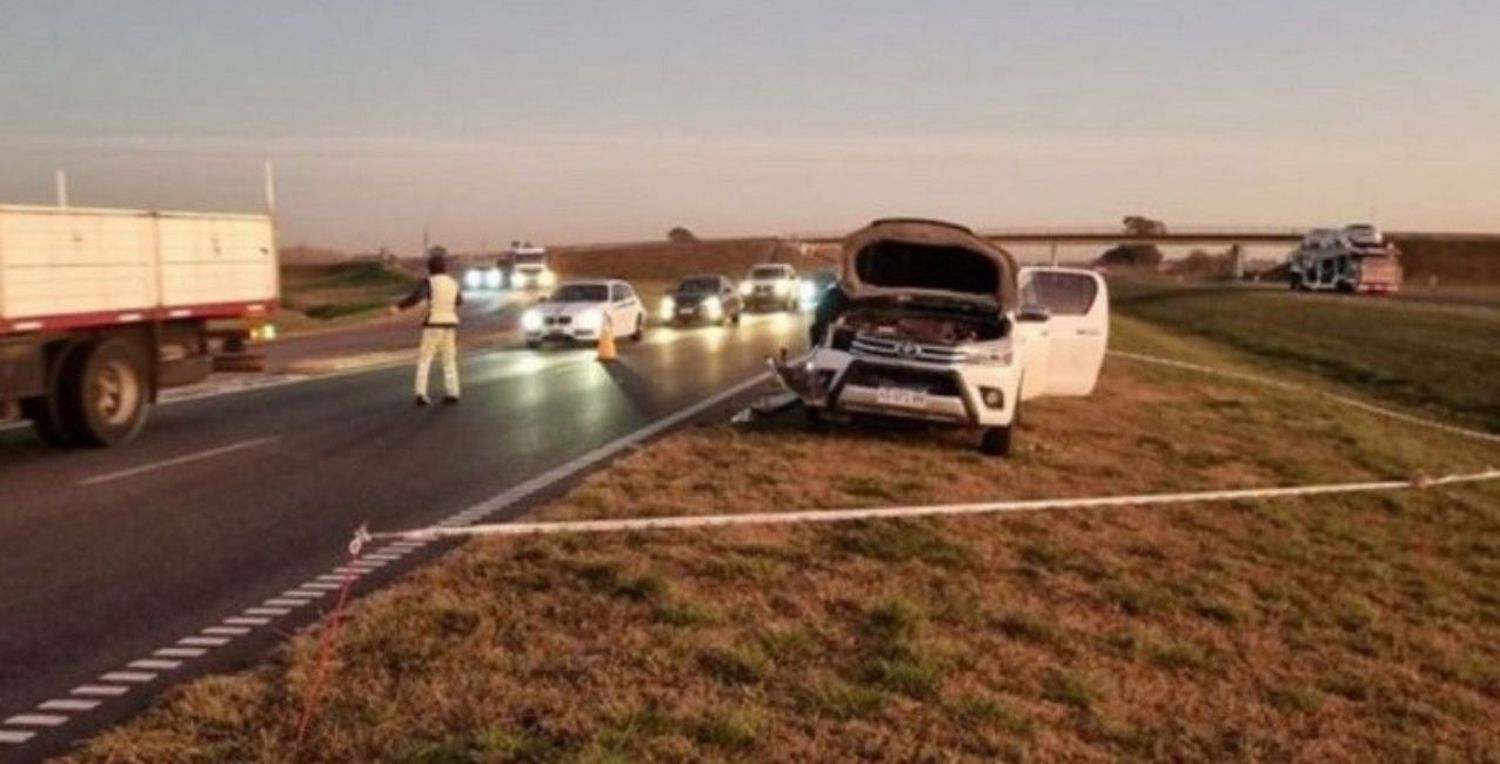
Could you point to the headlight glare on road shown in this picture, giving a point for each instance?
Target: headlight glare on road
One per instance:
(713, 308)
(668, 305)
(531, 320)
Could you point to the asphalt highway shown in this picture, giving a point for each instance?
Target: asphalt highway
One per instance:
(223, 502)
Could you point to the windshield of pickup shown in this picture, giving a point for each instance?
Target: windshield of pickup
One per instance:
(770, 273)
(531, 258)
(698, 285)
(580, 293)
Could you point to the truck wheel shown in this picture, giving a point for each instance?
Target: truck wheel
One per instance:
(46, 413)
(996, 441)
(106, 393)
(1295, 282)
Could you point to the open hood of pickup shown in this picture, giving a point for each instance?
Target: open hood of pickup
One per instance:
(926, 258)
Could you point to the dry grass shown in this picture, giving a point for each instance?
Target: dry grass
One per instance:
(1338, 629)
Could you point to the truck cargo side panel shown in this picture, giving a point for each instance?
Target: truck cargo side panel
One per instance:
(216, 261)
(62, 263)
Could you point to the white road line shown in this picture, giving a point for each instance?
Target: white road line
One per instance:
(177, 461)
(15, 737)
(180, 652)
(69, 704)
(133, 677)
(99, 690)
(325, 586)
(154, 664)
(203, 641)
(36, 720)
(284, 602)
(232, 631)
(304, 594)
(263, 611)
(338, 577)
(238, 620)
(383, 557)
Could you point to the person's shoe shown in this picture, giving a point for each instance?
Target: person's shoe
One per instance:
(449, 400)
(422, 400)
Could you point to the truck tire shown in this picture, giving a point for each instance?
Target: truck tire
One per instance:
(105, 392)
(995, 441)
(46, 412)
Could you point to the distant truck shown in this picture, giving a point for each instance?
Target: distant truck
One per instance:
(529, 268)
(100, 309)
(1353, 259)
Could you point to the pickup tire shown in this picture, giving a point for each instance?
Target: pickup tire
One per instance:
(995, 441)
(640, 329)
(105, 392)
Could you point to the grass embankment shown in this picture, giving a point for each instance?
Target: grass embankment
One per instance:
(1452, 261)
(1337, 629)
(654, 267)
(314, 296)
(1444, 359)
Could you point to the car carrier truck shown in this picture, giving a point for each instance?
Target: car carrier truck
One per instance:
(100, 309)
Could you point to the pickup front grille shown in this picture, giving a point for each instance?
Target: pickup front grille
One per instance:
(882, 347)
(881, 375)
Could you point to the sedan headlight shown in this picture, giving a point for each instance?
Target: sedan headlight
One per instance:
(668, 305)
(531, 320)
(713, 307)
(589, 320)
(473, 279)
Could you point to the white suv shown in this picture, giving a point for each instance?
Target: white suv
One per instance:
(932, 322)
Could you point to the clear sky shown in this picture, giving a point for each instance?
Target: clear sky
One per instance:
(570, 121)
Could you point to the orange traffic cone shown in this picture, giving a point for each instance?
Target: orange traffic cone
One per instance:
(607, 341)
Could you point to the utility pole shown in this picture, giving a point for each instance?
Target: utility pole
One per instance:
(424, 243)
(60, 177)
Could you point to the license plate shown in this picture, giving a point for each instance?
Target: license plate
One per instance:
(686, 311)
(900, 396)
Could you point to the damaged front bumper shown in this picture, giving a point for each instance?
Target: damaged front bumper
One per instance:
(963, 394)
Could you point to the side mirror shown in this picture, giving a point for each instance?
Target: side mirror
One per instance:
(1034, 313)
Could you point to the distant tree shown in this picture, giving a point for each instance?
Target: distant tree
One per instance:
(1132, 256)
(1140, 225)
(681, 235)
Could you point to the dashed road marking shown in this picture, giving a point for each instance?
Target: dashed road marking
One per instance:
(322, 587)
(15, 737)
(109, 477)
(36, 720)
(99, 690)
(231, 631)
(262, 611)
(180, 652)
(204, 641)
(239, 620)
(154, 664)
(133, 677)
(282, 602)
(69, 704)
(304, 594)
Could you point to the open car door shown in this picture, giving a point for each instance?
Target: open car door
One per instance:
(1078, 329)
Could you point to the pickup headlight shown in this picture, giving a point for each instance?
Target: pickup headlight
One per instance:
(546, 279)
(589, 320)
(782, 288)
(713, 307)
(808, 295)
(531, 320)
(492, 279)
(746, 288)
(668, 305)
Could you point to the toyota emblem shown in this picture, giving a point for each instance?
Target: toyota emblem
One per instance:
(909, 349)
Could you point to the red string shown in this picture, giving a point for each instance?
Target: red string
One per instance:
(325, 651)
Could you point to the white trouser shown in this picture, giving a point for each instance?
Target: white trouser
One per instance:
(440, 339)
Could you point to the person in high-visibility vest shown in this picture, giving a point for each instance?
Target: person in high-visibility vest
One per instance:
(440, 329)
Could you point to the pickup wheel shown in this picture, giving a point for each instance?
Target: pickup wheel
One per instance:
(640, 329)
(106, 392)
(815, 420)
(995, 441)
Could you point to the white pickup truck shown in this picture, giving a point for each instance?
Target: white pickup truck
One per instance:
(931, 322)
(101, 308)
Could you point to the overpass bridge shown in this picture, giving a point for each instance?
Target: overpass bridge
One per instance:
(1178, 236)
